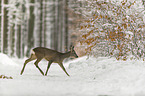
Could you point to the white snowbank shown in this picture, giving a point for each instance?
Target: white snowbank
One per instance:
(5, 60)
(126, 78)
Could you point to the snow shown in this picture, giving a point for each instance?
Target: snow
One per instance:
(88, 77)
(5, 60)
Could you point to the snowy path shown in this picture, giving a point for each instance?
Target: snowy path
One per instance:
(91, 77)
(32, 83)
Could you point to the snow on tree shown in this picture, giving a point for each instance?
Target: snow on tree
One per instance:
(113, 28)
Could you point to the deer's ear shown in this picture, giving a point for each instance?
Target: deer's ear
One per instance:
(71, 48)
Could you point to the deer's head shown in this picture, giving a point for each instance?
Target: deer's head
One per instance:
(73, 53)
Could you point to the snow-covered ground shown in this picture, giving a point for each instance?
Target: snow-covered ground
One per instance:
(88, 77)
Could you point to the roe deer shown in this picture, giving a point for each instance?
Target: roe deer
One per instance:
(50, 55)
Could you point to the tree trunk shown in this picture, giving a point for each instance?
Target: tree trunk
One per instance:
(66, 25)
(18, 46)
(5, 29)
(143, 1)
(12, 40)
(31, 29)
(0, 23)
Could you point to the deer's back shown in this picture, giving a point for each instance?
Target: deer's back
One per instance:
(46, 53)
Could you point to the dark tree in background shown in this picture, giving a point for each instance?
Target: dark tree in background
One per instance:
(25, 24)
(30, 34)
(4, 34)
(60, 28)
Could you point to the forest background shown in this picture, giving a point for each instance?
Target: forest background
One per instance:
(112, 28)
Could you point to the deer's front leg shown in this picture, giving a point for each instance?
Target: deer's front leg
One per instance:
(61, 65)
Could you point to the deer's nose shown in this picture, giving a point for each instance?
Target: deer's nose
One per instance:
(76, 56)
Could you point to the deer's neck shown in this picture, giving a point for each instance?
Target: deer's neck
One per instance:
(66, 55)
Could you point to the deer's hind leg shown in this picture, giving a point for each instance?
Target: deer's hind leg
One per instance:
(50, 62)
(36, 63)
(33, 57)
